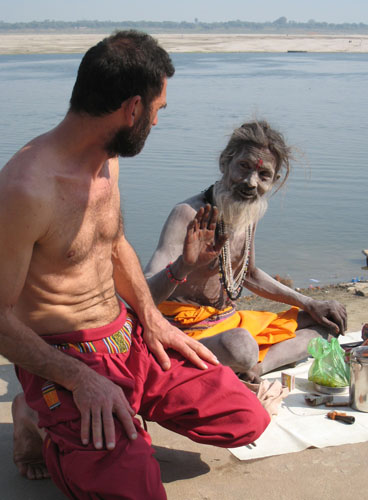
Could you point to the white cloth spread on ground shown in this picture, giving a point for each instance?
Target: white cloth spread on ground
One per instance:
(299, 426)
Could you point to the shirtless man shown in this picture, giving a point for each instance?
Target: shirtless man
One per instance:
(86, 364)
(200, 276)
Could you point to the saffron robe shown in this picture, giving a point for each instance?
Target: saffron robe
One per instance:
(201, 322)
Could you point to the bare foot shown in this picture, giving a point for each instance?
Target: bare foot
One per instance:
(27, 441)
(253, 375)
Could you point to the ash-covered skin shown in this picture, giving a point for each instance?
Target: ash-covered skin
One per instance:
(251, 165)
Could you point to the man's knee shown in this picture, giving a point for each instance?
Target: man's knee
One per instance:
(249, 421)
(242, 349)
(245, 418)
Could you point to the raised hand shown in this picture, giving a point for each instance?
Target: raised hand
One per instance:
(201, 245)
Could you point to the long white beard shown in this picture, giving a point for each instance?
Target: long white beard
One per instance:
(237, 215)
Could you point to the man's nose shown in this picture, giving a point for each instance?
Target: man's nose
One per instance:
(251, 180)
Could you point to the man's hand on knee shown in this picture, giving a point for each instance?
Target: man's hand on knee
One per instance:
(98, 399)
(330, 314)
(160, 335)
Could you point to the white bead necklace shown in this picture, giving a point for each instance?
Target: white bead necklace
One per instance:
(231, 284)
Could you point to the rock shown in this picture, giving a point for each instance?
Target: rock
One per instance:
(284, 280)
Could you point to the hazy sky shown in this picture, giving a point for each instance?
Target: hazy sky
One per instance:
(334, 11)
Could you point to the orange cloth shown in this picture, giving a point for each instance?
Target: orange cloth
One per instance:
(266, 327)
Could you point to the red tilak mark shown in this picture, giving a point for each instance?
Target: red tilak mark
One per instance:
(259, 163)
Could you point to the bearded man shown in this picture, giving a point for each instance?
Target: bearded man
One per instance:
(87, 365)
(206, 255)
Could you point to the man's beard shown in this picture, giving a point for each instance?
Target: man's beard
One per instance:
(129, 141)
(237, 215)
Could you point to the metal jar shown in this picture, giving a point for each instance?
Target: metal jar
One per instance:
(359, 378)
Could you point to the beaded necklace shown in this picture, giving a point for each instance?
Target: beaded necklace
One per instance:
(231, 284)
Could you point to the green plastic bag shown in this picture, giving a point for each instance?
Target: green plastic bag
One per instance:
(329, 367)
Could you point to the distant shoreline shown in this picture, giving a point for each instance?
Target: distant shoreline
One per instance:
(67, 43)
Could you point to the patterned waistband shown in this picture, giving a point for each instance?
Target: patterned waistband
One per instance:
(118, 342)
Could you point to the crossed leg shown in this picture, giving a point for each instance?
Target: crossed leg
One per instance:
(239, 350)
(235, 348)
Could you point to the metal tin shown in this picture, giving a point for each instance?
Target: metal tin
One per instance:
(359, 378)
(324, 389)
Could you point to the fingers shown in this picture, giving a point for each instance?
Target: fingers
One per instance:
(193, 226)
(330, 314)
(124, 413)
(191, 356)
(195, 352)
(333, 327)
(338, 316)
(104, 426)
(85, 426)
(213, 219)
(207, 217)
(198, 219)
(97, 428)
(204, 353)
(340, 325)
(160, 354)
(98, 399)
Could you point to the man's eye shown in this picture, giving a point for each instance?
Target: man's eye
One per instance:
(265, 174)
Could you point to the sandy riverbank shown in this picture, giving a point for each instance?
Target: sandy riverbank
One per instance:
(67, 43)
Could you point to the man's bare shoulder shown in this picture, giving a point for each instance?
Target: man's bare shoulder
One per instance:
(27, 171)
(26, 188)
(187, 209)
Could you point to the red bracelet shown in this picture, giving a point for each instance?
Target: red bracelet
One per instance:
(172, 278)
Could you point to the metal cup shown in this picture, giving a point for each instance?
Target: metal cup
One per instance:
(359, 378)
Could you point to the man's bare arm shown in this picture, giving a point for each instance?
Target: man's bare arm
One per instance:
(330, 314)
(159, 334)
(189, 246)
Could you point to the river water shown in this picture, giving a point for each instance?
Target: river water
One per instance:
(314, 229)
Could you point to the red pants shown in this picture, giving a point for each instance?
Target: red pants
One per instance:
(208, 406)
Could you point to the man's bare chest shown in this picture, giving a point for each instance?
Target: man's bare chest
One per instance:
(84, 221)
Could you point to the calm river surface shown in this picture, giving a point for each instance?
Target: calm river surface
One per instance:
(314, 229)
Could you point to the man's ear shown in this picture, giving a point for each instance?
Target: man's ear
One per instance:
(277, 177)
(132, 109)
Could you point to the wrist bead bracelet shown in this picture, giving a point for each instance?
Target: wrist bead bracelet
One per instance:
(172, 278)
